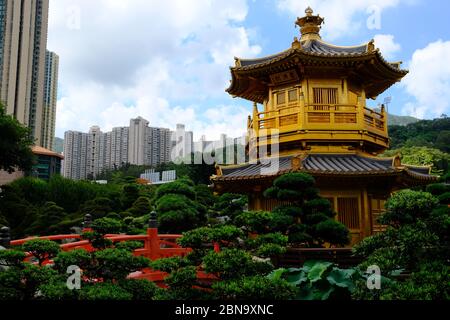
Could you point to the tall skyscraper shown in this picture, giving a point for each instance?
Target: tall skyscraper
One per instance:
(50, 99)
(75, 155)
(97, 151)
(136, 138)
(157, 146)
(119, 147)
(23, 42)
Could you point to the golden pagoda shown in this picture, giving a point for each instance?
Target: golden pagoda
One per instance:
(310, 115)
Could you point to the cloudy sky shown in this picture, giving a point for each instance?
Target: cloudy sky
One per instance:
(168, 60)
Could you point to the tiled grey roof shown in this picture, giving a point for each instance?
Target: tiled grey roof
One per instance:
(249, 62)
(338, 164)
(313, 47)
(319, 47)
(346, 164)
(258, 169)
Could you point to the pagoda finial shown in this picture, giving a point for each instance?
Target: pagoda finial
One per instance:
(309, 25)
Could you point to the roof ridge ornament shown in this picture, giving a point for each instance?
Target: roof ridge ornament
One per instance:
(371, 46)
(310, 25)
(296, 44)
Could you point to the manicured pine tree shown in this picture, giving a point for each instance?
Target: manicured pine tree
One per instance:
(314, 223)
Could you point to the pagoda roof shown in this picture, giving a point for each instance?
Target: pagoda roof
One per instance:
(363, 65)
(312, 47)
(326, 165)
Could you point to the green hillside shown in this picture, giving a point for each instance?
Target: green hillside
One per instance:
(394, 120)
(424, 133)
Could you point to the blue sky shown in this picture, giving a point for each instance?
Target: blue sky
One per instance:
(168, 61)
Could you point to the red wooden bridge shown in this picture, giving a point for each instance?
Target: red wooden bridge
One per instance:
(156, 246)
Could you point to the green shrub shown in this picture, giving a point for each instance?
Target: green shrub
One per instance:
(269, 250)
(104, 291)
(333, 232)
(178, 188)
(318, 206)
(253, 288)
(437, 188)
(107, 226)
(444, 198)
(41, 249)
(255, 221)
(140, 289)
(116, 264)
(129, 245)
(281, 221)
(77, 257)
(168, 264)
(57, 290)
(289, 210)
(11, 258)
(406, 206)
(225, 264)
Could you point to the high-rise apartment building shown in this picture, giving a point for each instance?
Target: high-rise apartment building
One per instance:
(75, 155)
(98, 151)
(119, 147)
(23, 42)
(95, 152)
(157, 146)
(136, 141)
(50, 100)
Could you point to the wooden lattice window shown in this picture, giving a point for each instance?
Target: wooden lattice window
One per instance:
(292, 94)
(281, 97)
(325, 95)
(377, 208)
(348, 212)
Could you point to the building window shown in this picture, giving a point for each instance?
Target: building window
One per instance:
(292, 95)
(348, 212)
(377, 208)
(325, 96)
(281, 98)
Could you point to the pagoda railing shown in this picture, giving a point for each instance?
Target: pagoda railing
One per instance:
(320, 117)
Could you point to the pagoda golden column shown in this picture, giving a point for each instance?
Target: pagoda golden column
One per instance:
(310, 115)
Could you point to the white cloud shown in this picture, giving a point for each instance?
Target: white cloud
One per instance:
(123, 59)
(387, 45)
(342, 17)
(429, 81)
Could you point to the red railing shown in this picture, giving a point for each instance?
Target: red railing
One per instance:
(156, 246)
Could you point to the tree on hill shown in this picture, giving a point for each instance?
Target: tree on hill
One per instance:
(423, 156)
(425, 133)
(15, 144)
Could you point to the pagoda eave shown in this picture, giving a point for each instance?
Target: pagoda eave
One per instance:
(369, 69)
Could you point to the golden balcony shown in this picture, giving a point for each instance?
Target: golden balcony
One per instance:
(318, 123)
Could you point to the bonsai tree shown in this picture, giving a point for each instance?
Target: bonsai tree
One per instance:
(416, 240)
(177, 209)
(309, 219)
(239, 268)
